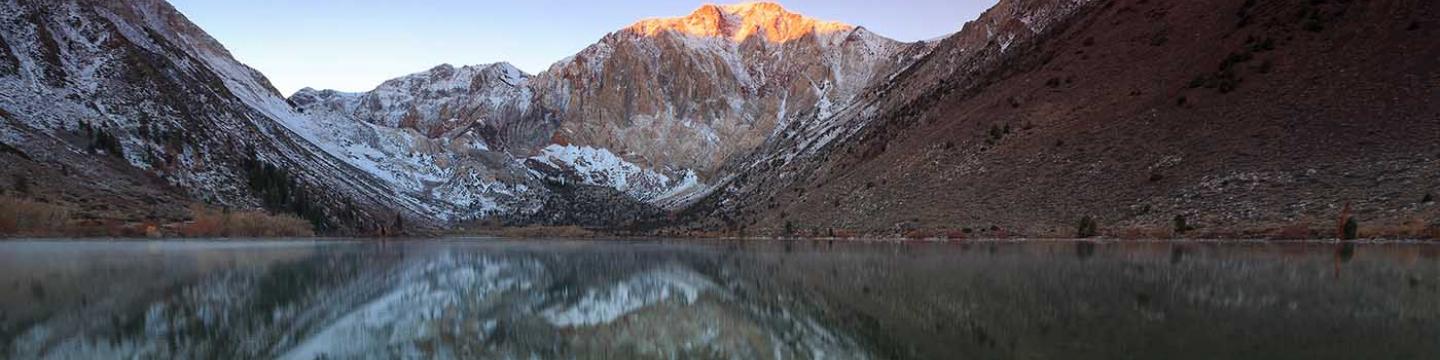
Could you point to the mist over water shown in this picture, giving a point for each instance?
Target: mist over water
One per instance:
(629, 299)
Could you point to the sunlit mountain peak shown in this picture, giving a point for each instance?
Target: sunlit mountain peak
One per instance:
(740, 22)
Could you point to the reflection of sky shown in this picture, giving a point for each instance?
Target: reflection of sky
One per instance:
(355, 45)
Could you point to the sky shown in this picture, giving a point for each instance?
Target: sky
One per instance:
(354, 45)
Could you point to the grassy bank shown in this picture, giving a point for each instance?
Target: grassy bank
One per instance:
(29, 218)
(22, 217)
(207, 222)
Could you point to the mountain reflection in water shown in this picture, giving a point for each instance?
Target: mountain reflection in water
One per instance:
(809, 299)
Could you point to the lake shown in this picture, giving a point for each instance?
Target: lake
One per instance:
(492, 298)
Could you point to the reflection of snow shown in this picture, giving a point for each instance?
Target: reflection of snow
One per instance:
(605, 305)
(412, 313)
(445, 304)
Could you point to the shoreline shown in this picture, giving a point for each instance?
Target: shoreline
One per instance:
(608, 238)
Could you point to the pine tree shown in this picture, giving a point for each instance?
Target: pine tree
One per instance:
(399, 224)
(1086, 228)
(1352, 229)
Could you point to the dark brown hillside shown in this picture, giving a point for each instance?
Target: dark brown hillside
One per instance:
(1237, 114)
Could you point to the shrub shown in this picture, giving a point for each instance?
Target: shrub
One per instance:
(545, 231)
(1227, 84)
(19, 216)
(1199, 81)
(996, 133)
(21, 184)
(1180, 225)
(1086, 228)
(1262, 45)
(1235, 58)
(210, 223)
(1418, 227)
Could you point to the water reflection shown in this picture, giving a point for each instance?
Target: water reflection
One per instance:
(561, 299)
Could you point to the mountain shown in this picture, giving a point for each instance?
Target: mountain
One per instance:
(128, 112)
(409, 132)
(1266, 118)
(650, 112)
(439, 100)
(1263, 119)
(691, 92)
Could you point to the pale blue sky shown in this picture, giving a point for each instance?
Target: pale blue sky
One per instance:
(355, 45)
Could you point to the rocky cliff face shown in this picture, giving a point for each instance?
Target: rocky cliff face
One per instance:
(130, 101)
(691, 92)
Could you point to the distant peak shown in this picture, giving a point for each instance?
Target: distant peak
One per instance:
(506, 65)
(448, 70)
(739, 22)
(443, 69)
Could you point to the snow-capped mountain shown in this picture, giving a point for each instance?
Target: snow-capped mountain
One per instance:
(652, 117)
(750, 115)
(439, 100)
(651, 111)
(89, 81)
(458, 171)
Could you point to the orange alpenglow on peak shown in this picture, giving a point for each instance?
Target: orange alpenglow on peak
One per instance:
(740, 22)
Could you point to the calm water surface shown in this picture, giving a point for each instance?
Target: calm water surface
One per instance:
(678, 299)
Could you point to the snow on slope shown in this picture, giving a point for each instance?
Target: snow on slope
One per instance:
(446, 169)
(380, 132)
(726, 78)
(600, 167)
(253, 89)
(445, 98)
